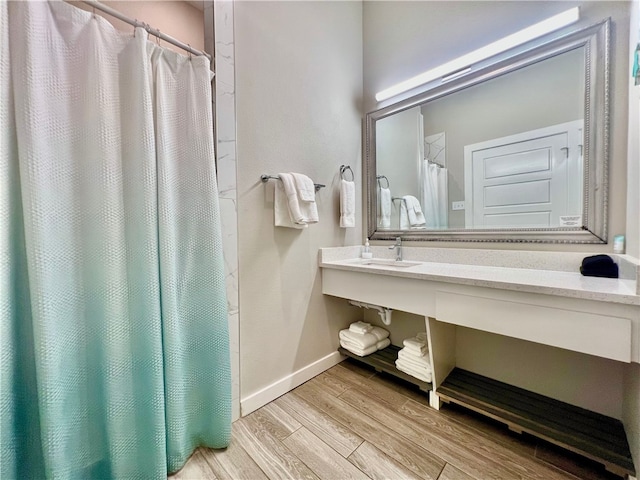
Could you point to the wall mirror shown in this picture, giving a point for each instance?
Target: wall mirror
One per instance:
(513, 152)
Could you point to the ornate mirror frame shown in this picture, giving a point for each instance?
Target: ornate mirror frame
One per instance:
(595, 40)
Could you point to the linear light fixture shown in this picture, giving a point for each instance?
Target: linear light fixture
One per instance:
(464, 62)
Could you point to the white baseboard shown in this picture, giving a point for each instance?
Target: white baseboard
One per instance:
(288, 383)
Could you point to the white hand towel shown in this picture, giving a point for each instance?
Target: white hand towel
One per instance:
(301, 212)
(360, 327)
(282, 213)
(305, 187)
(404, 216)
(347, 204)
(383, 344)
(385, 208)
(414, 211)
(416, 350)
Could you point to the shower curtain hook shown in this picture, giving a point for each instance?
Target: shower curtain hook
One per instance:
(188, 45)
(158, 37)
(94, 13)
(134, 27)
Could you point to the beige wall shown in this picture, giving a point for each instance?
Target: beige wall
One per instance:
(631, 405)
(402, 39)
(298, 91)
(179, 20)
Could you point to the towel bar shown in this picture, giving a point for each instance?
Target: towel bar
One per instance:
(265, 178)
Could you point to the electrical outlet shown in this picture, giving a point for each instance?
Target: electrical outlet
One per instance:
(457, 205)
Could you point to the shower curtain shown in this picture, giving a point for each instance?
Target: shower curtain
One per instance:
(115, 356)
(435, 196)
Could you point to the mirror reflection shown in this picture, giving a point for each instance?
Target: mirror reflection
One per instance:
(505, 153)
(514, 151)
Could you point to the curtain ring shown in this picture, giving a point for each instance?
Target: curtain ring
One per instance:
(158, 37)
(134, 27)
(188, 45)
(94, 12)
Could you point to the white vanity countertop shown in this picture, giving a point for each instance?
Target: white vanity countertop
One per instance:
(566, 281)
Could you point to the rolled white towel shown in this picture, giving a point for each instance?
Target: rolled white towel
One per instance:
(347, 204)
(360, 327)
(361, 352)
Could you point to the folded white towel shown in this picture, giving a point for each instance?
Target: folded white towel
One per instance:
(347, 204)
(415, 345)
(380, 333)
(282, 213)
(385, 208)
(360, 327)
(420, 375)
(304, 187)
(364, 340)
(414, 211)
(301, 212)
(419, 363)
(361, 352)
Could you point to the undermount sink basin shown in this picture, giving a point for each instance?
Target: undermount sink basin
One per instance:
(389, 263)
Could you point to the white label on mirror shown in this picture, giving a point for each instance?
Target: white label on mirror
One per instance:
(571, 220)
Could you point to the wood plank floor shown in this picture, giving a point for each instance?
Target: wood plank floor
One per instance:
(352, 423)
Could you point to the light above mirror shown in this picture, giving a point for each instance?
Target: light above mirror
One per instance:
(516, 151)
(462, 65)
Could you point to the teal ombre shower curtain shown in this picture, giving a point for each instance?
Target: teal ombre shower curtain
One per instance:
(114, 343)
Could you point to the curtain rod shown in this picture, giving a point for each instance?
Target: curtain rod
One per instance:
(152, 31)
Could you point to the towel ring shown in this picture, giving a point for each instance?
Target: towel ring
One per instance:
(380, 177)
(343, 169)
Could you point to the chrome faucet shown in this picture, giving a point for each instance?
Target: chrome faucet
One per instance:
(398, 247)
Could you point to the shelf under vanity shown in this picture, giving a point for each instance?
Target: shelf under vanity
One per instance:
(545, 307)
(384, 361)
(587, 433)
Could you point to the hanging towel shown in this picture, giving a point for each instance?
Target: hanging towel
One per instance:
(301, 212)
(304, 187)
(347, 204)
(414, 211)
(411, 215)
(385, 208)
(281, 209)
